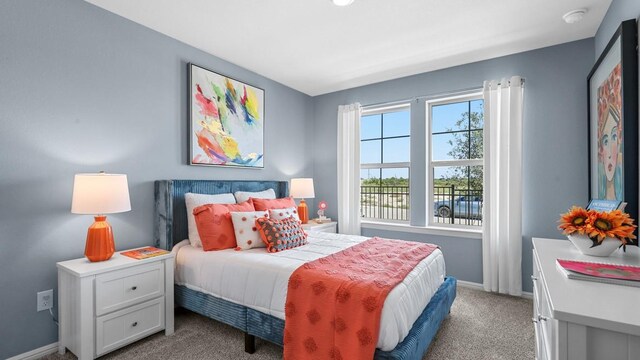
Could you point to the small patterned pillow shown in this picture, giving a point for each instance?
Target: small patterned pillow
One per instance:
(281, 234)
(281, 214)
(246, 231)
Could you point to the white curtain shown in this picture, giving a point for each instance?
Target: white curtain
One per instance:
(502, 212)
(349, 169)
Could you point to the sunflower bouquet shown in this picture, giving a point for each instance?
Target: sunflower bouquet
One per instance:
(598, 225)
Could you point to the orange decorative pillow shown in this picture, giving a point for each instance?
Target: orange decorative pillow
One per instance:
(281, 234)
(215, 226)
(268, 204)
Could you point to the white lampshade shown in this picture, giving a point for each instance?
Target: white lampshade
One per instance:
(302, 188)
(100, 194)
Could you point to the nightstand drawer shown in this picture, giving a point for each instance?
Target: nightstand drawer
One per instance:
(118, 289)
(126, 326)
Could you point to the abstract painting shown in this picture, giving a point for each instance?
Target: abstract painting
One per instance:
(227, 120)
(613, 121)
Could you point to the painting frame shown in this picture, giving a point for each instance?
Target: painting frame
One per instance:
(202, 146)
(613, 120)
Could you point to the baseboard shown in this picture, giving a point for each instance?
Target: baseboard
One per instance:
(471, 285)
(477, 286)
(37, 353)
(527, 295)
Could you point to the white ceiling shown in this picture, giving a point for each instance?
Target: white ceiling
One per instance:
(316, 47)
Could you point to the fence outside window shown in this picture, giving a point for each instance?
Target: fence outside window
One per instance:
(384, 202)
(451, 205)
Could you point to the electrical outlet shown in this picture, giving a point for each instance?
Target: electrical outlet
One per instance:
(45, 300)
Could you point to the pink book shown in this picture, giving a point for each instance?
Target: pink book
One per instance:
(600, 272)
(144, 253)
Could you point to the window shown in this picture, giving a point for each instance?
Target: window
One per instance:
(454, 161)
(385, 163)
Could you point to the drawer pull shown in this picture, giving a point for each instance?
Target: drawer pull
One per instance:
(534, 320)
(542, 318)
(134, 288)
(134, 324)
(534, 278)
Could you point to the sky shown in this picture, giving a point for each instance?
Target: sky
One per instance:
(398, 124)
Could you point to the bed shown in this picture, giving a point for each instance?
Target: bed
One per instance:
(263, 316)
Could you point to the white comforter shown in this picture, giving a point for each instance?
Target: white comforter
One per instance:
(257, 279)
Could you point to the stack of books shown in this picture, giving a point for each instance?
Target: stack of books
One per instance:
(606, 205)
(600, 272)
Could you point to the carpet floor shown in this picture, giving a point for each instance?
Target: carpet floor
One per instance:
(480, 326)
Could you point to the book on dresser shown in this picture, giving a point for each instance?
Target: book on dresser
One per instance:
(144, 253)
(627, 275)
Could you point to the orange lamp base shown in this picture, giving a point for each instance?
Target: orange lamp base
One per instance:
(99, 245)
(303, 212)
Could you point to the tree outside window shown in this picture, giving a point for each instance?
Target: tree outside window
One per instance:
(455, 164)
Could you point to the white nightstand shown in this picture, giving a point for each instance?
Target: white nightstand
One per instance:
(329, 227)
(106, 305)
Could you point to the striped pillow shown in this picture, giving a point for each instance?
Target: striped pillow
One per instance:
(281, 235)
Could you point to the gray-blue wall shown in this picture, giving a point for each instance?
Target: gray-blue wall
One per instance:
(555, 141)
(83, 90)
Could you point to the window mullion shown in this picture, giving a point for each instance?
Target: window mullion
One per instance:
(441, 163)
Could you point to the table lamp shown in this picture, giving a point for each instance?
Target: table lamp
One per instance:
(302, 188)
(100, 194)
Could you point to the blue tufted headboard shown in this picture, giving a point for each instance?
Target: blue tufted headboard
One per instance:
(170, 214)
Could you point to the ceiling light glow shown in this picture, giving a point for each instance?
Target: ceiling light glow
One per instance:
(574, 16)
(342, 2)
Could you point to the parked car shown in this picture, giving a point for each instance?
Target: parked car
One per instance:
(463, 207)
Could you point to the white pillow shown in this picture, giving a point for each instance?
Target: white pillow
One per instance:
(242, 196)
(281, 214)
(193, 201)
(244, 226)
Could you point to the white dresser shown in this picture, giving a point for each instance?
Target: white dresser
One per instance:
(577, 319)
(106, 305)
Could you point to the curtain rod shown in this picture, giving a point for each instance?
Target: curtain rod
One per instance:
(428, 97)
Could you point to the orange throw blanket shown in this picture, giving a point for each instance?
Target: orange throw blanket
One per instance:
(334, 303)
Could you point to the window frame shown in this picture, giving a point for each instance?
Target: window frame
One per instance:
(431, 164)
(379, 110)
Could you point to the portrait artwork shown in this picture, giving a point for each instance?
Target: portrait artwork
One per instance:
(610, 138)
(613, 121)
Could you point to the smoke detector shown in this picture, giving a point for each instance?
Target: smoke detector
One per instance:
(574, 16)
